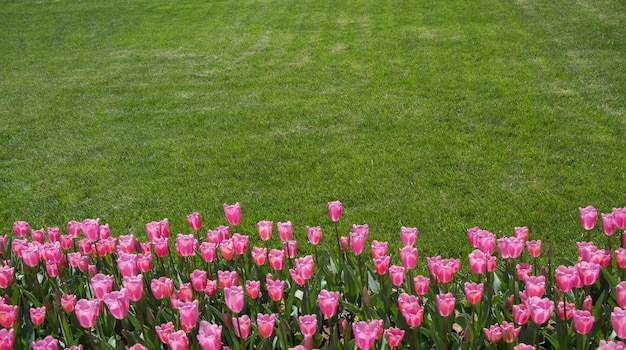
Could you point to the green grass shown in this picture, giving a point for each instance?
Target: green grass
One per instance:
(442, 115)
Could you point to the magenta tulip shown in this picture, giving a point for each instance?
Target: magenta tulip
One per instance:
(334, 210)
(583, 321)
(588, 217)
(381, 264)
(408, 235)
(161, 246)
(234, 298)
(198, 279)
(265, 324)
(365, 334)
(186, 245)
(276, 259)
(566, 278)
(126, 244)
(535, 286)
(588, 272)
(162, 287)
(445, 304)
(565, 311)
(209, 336)
(211, 288)
(478, 261)
(91, 229)
(608, 224)
(328, 302)
(233, 213)
(240, 243)
(37, 315)
(87, 311)
(379, 249)
(265, 229)
(620, 294)
(394, 336)
(408, 256)
(396, 275)
(523, 270)
(133, 286)
(357, 242)
(242, 326)
(127, 264)
(473, 292)
(47, 343)
(6, 276)
(188, 315)
(6, 339)
(410, 309)
(73, 228)
(421, 284)
(285, 231)
(53, 234)
(308, 325)
(178, 340)
(619, 216)
(20, 228)
(101, 284)
(67, 302)
(118, 303)
(208, 250)
(314, 234)
(8, 315)
(194, 220)
(30, 254)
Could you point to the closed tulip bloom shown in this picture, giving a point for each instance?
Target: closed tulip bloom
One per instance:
(608, 224)
(486, 242)
(118, 303)
(535, 286)
(510, 247)
(227, 249)
(47, 343)
(240, 243)
(408, 256)
(104, 231)
(493, 333)
(265, 229)
(344, 243)
(275, 289)
(445, 269)
(396, 275)
(85, 246)
(509, 332)
(67, 302)
(87, 311)
(379, 248)
(408, 235)
(233, 213)
(259, 255)
(194, 220)
(73, 228)
(66, 241)
(276, 259)
(253, 289)
(588, 272)
(227, 279)
(445, 304)
(364, 334)
(290, 248)
(53, 234)
(357, 243)
(162, 287)
(161, 246)
(620, 257)
(127, 264)
(588, 217)
(328, 302)
(478, 262)
(188, 315)
(308, 325)
(8, 315)
(534, 248)
(209, 336)
(520, 314)
(411, 310)
(522, 346)
(334, 210)
(165, 228)
(37, 315)
(185, 245)
(619, 217)
(91, 229)
(473, 292)
(314, 234)
(394, 336)
(144, 262)
(101, 285)
(421, 284)
(611, 345)
(234, 298)
(565, 311)
(133, 285)
(211, 288)
(242, 326)
(153, 230)
(30, 254)
(178, 340)
(265, 324)
(521, 233)
(620, 294)
(164, 330)
(134, 347)
(583, 321)
(20, 228)
(381, 264)
(305, 266)
(566, 278)
(523, 270)
(285, 231)
(207, 251)
(6, 339)
(6, 276)
(540, 309)
(198, 279)
(126, 244)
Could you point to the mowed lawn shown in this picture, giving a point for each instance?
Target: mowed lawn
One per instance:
(441, 115)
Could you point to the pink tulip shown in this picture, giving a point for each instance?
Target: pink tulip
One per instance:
(8, 315)
(162, 287)
(87, 311)
(198, 279)
(379, 248)
(275, 289)
(308, 325)
(608, 224)
(265, 324)
(253, 289)
(396, 275)
(619, 216)
(588, 272)
(611, 345)
(134, 287)
(443, 269)
(408, 235)
(211, 288)
(394, 337)
(30, 254)
(227, 249)
(101, 285)
(540, 309)
(305, 266)
(620, 257)
(588, 217)
(47, 343)
(285, 231)
(493, 333)
(164, 330)
(67, 302)
(276, 259)
(207, 250)
(185, 245)
(53, 234)
(20, 228)
(234, 298)
(73, 228)
(486, 242)
(445, 304)
(153, 229)
(473, 292)
(66, 241)
(6, 276)
(314, 234)
(91, 229)
(242, 326)
(161, 246)
(509, 332)
(259, 255)
(523, 270)
(37, 315)
(104, 231)
(566, 278)
(127, 264)
(334, 210)
(357, 242)
(520, 314)
(240, 243)
(534, 248)
(194, 220)
(118, 303)
(344, 243)
(188, 315)
(565, 311)
(209, 336)
(410, 309)
(620, 294)
(134, 347)
(408, 256)
(227, 279)
(381, 264)
(265, 229)
(522, 346)
(365, 334)
(328, 302)
(126, 244)
(583, 321)
(510, 247)
(535, 286)
(478, 261)
(290, 248)
(521, 233)
(421, 284)
(6, 339)
(144, 262)
(178, 340)
(232, 213)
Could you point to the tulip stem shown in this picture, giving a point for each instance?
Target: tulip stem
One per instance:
(338, 243)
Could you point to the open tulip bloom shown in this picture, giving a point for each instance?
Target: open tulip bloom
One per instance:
(79, 285)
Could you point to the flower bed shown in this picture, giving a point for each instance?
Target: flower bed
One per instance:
(85, 289)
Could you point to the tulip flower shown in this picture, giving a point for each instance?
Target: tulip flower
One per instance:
(234, 298)
(185, 245)
(240, 243)
(618, 321)
(285, 231)
(619, 216)
(6, 276)
(87, 310)
(67, 302)
(134, 347)
(565, 311)
(493, 333)
(588, 217)
(242, 326)
(275, 289)
(509, 332)
(522, 346)
(290, 248)
(308, 328)
(344, 243)
(394, 336)
(161, 246)
(328, 302)
(535, 286)
(6, 339)
(521, 233)
(364, 334)
(74, 228)
(408, 256)
(53, 234)
(534, 248)
(118, 303)
(379, 248)
(162, 287)
(198, 279)
(127, 264)
(276, 259)
(101, 285)
(520, 314)
(227, 249)
(30, 254)
(540, 309)
(611, 345)
(334, 210)
(66, 241)
(37, 315)
(233, 213)
(209, 336)
(566, 278)
(259, 255)
(608, 224)
(211, 288)
(265, 229)
(314, 234)
(194, 220)
(188, 315)
(227, 279)
(178, 340)
(510, 247)
(408, 235)
(253, 289)
(588, 272)
(144, 262)
(523, 270)
(396, 275)
(445, 304)
(133, 286)
(164, 330)
(20, 228)
(410, 309)
(486, 241)
(381, 264)
(265, 324)
(47, 343)
(421, 284)
(473, 292)
(583, 321)
(91, 229)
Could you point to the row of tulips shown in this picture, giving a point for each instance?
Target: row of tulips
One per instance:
(84, 288)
